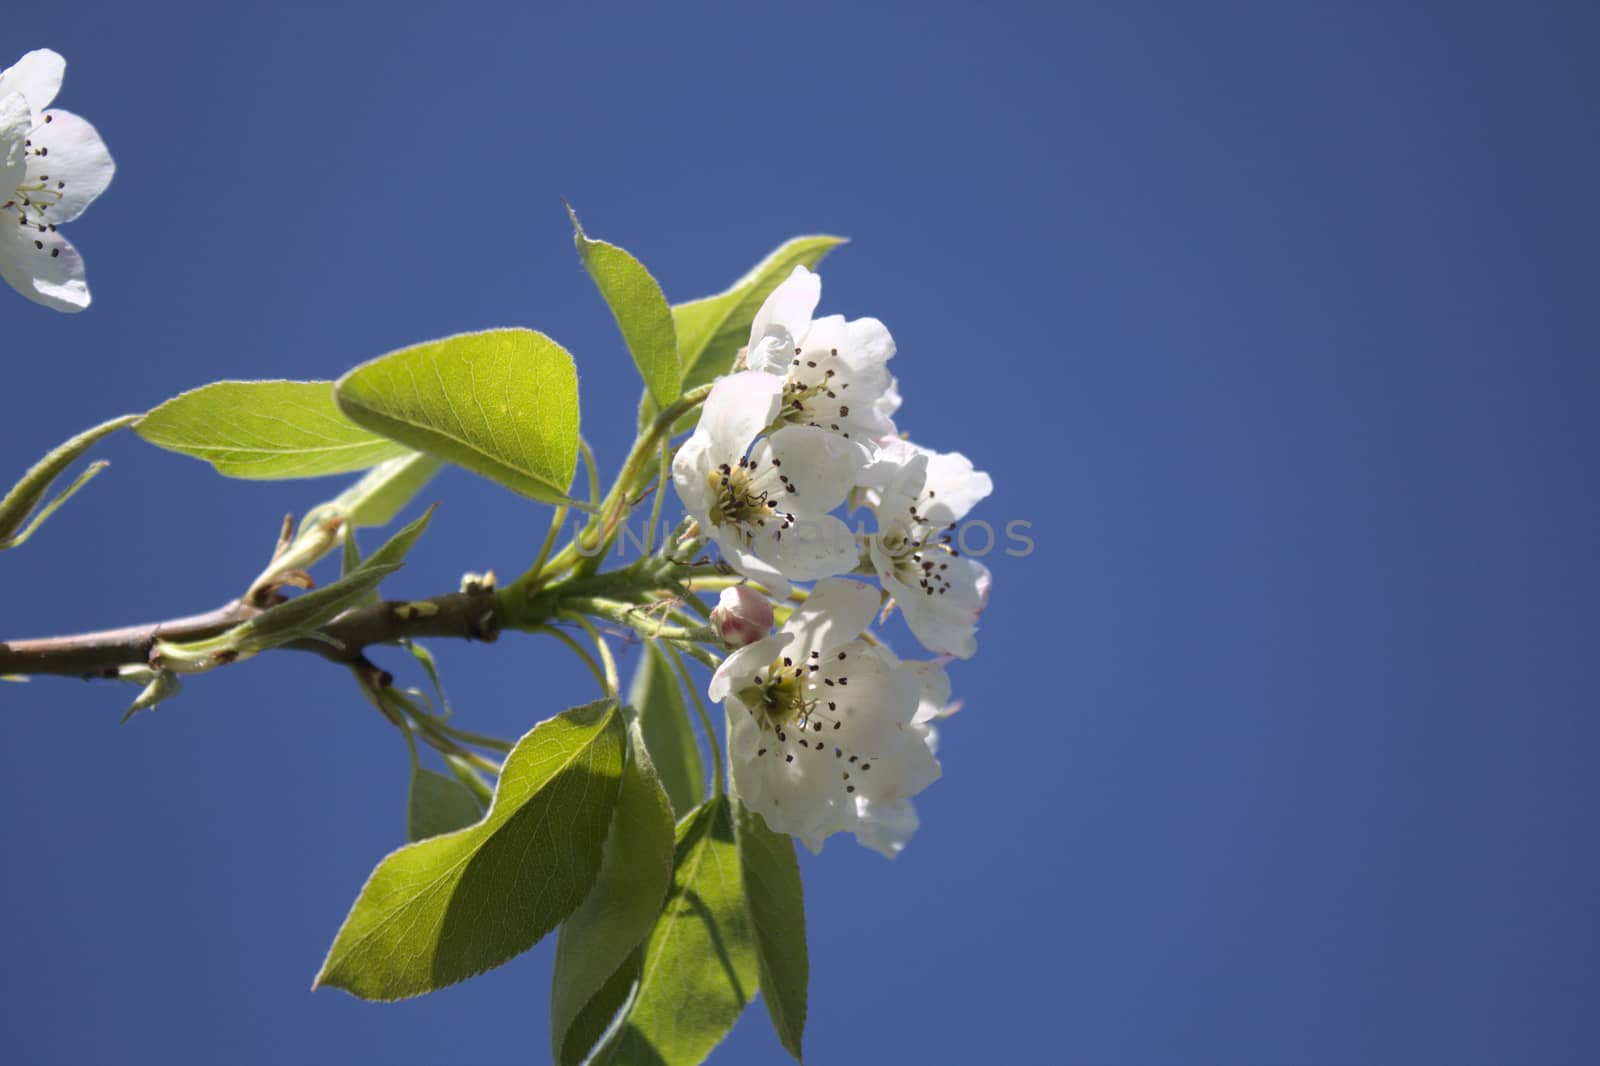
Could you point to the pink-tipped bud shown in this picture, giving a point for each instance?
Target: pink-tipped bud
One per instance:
(742, 616)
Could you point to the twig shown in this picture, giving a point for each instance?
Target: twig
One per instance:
(465, 615)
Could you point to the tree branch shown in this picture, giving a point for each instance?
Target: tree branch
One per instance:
(463, 615)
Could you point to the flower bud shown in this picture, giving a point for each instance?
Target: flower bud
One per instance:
(742, 616)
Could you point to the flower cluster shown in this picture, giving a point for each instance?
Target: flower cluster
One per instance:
(828, 730)
(52, 166)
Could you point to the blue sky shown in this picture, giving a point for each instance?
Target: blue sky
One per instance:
(1276, 321)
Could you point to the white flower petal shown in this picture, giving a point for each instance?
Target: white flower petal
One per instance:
(854, 351)
(885, 827)
(811, 549)
(909, 766)
(887, 467)
(744, 739)
(783, 319)
(739, 408)
(890, 401)
(934, 684)
(865, 705)
(944, 485)
(836, 612)
(834, 382)
(745, 663)
(691, 470)
(945, 623)
(819, 468)
(37, 76)
(899, 475)
(750, 564)
(795, 789)
(72, 164)
(827, 334)
(785, 790)
(952, 487)
(43, 266)
(870, 344)
(15, 122)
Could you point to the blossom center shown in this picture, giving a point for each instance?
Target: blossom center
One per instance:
(38, 195)
(920, 553)
(779, 699)
(791, 707)
(37, 199)
(811, 393)
(737, 500)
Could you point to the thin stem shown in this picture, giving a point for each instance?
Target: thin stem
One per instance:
(476, 739)
(717, 583)
(577, 649)
(705, 719)
(661, 493)
(445, 745)
(411, 744)
(644, 447)
(612, 681)
(563, 561)
(698, 654)
(594, 472)
(403, 713)
(699, 606)
(467, 776)
(630, 615)
(537, 569)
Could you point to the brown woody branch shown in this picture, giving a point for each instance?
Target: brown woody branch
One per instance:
(463, 615)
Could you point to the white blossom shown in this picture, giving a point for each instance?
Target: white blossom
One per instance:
(834, 372)
(766, 506)
(918, 497)
(52, 166)
(822, 734)
(933, 682)
(888, 404)
(885, 824)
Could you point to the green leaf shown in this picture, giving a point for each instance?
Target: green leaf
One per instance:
(438, 804)
(778, 912)
(597, 1015)
(159, 686)
(441, 910)
(601, 939)
(641, 311)
(425, 658)
(265, 430)
(711, 330)
(664, 720)
(502, 403)
(349, 555)
(378, 497)
(469, 776)
(28, 493)
(699, 967)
